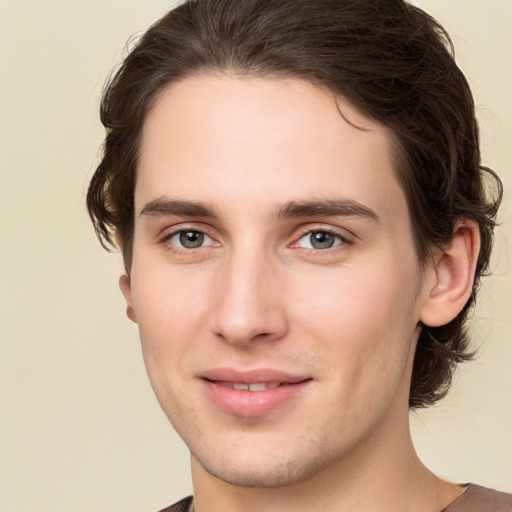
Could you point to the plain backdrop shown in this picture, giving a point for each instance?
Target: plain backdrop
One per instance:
(80, 429)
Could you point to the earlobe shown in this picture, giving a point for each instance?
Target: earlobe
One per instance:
(453, 276)
(126, 289)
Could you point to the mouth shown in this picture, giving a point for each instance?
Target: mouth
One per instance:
(252, 394)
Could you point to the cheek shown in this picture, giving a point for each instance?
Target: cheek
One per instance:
(168, 302)
(171, 316)
(364, 329)
(166, 318)
(364, 322)
(355, 302)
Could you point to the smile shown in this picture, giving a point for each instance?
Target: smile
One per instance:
(252, 394)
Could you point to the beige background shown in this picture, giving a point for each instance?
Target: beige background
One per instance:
(80, 429)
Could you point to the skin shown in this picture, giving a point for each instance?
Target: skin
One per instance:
(255, 293)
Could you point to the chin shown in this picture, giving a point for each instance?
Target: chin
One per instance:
(255, 473)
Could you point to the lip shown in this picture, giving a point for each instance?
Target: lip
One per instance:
(252, 403)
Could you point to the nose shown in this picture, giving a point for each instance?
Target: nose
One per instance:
(249, 303)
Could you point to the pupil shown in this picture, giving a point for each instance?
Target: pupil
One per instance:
(191, 239)
(321, 240)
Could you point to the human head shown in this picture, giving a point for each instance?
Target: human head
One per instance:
(389, 59)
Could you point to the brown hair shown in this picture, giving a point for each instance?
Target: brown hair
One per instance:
(390, 59)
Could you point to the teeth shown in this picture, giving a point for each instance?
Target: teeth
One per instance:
(256, 386)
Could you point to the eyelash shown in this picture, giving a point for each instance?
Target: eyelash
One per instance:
(166, 240)
(342, 240)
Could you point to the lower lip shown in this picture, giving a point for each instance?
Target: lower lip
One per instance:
(252, 403)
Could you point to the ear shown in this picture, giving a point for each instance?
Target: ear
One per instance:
(452, 276)
(126, 288)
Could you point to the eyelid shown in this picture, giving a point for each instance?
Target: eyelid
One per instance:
(167, 234)
(345, 236)
(206, 240)
(337, 240)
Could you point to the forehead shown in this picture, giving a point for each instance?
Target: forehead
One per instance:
(229, 139)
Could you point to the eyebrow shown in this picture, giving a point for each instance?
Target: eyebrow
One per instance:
(326, 208)
(293, 209)
(164, 207)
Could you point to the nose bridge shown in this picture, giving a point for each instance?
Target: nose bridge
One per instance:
(247, 299)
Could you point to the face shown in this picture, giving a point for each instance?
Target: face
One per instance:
(274, 277)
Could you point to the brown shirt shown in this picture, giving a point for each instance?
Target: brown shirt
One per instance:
(480, 499)
(474, 499)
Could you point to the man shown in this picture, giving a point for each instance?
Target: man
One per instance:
(296, 189)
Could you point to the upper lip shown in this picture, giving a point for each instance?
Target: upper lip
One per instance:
(252, 376)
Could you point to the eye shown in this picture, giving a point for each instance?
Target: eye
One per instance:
(190, 239)
(319, 240)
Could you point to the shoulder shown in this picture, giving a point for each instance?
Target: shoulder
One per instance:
(181, 506)
(481, 499)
